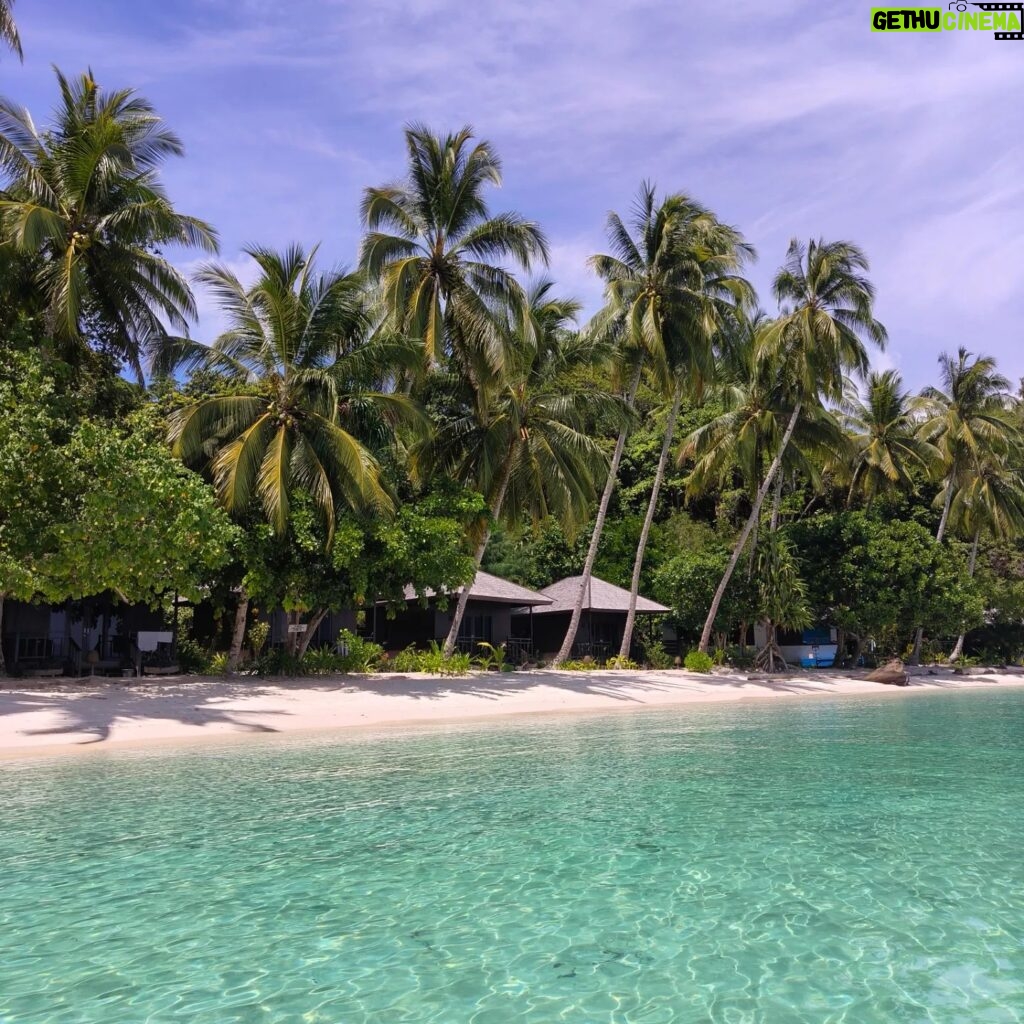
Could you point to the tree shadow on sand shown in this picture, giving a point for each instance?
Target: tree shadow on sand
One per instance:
(94, 711)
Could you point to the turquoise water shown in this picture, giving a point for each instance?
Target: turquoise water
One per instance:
(819, 861)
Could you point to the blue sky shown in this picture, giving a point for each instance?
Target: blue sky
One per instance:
(786, 117)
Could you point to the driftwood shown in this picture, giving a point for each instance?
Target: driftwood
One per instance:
(892, 674)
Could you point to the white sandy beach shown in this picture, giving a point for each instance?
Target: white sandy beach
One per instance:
(87, 715)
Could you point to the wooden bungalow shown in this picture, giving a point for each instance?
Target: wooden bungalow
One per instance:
(488, 618)
(605, 607)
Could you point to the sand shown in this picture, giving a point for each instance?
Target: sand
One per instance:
(90, 715)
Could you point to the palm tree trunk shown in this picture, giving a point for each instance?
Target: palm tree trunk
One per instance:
(595, 537)
(238, 634)
(972, 564)
(3, 664)
(460, 608)
(755, 513)
(652, 504)
(915, 656)
(777, 503)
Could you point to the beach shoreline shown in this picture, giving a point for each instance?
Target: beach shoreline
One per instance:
(89, 715)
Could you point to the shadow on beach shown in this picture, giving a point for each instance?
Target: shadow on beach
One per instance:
(92, 708)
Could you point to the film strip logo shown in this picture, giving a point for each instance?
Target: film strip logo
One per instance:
(962, 5)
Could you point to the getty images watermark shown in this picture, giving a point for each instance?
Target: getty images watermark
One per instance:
(959, 16)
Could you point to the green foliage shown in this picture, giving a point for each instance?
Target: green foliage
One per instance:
(656, 656)
(259, 634)
(90, 506)
(687, 583)
(217, 665)
(431, 661)
(491, 658)
(880, 579)
(698, 661)
(621, 664)
(361, 655)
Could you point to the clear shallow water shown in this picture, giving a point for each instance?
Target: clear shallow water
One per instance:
(821, 861)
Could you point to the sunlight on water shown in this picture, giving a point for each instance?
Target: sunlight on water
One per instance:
(821, 861)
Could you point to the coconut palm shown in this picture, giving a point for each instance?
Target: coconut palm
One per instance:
(883, 429)
(701, 295)
(297, 382)
(522, 441)
(670, 282)
(437, 253)
(8, 29)
(84, 196)
(990, 504)
(826, 306)
(970, 421)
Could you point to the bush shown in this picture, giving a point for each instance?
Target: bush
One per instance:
(491, 658)
(584, 665)
(432, 661)
(259, 634)
(217, 664)
(192, 657)
(622, 664)
(278, 662)
(362, 655)
(698, 661)
(656, 655)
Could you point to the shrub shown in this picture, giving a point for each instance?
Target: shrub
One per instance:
(217, 664)
(656, 655)
(578, 666)
(259, 634)
(321, 661)
(698, 661)
(192, 657)
(622, 664)
(491, 658)
(361, 655)
(278, 662)
(432, 661)
(405, 661)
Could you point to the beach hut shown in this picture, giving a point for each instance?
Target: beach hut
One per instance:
(488, 618)
(605, 607)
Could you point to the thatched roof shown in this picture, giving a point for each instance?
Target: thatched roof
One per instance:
(600, 597)
(495, 589)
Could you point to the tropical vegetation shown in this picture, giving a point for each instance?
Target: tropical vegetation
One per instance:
(358, 435)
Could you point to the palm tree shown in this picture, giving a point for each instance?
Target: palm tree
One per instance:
(437, 253)
(295, 376)
(8, 29)
(522, 440)
(669, 284)
(826, 313)
(969, 420)
(992, 503)
(699, 295)
(84, 196)
(883, 428)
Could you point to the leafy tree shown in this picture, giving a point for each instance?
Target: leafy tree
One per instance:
(873, 577)
(369, 559)
(84, 197)
(437, 252)
(826, 313)
(90, 505)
